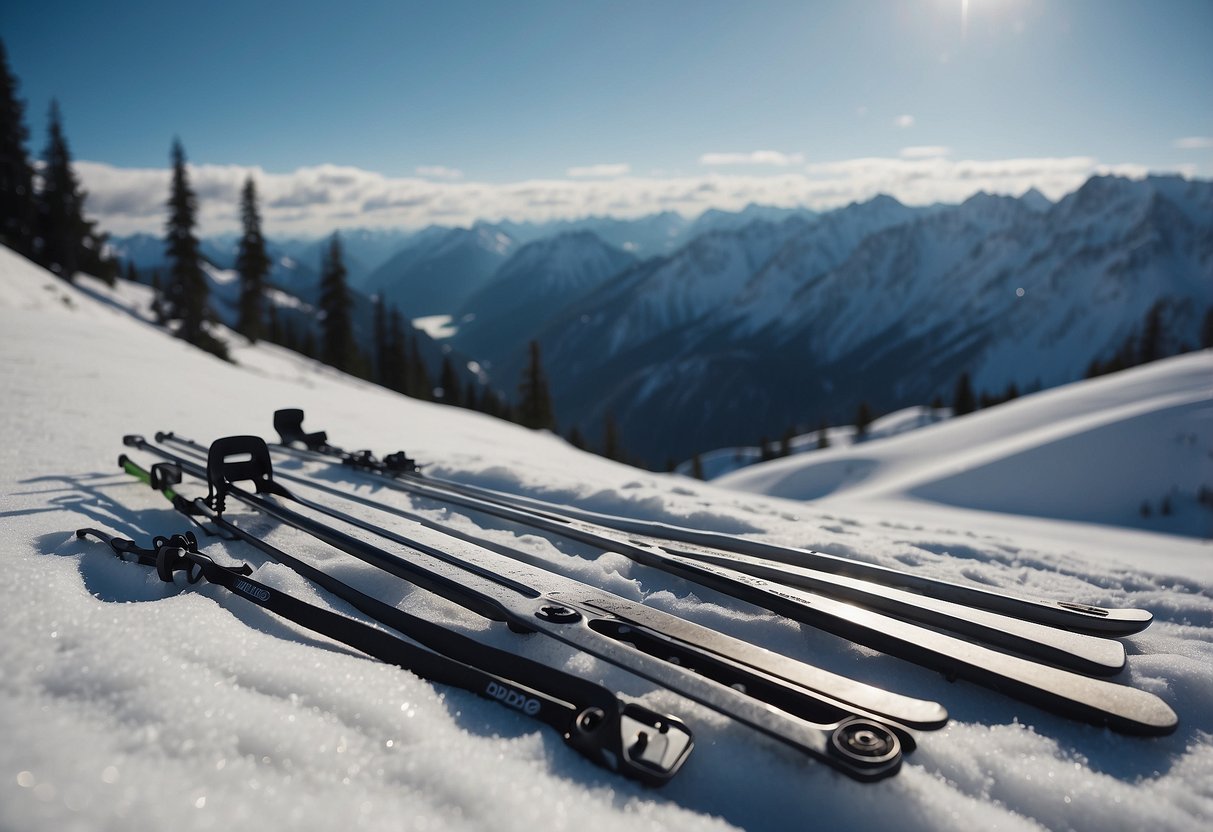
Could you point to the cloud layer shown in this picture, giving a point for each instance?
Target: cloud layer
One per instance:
(317, 200)
(1194, 143)
(596, 171)
(756, 157)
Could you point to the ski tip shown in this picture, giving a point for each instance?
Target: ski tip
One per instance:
(927, 718)
(1155, 717)
(1130, 710)
(1103, 621)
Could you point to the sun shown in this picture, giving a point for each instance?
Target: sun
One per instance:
(964, 14)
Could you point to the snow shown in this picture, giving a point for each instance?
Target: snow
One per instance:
(129, 704)
(1094, 451)
(437, 327)
(723, 461)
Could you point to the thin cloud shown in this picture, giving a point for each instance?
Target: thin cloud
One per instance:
(928, 151)
(756, 157)
(438, 172)
(1194, 143)
(317, 200)
(904, 121)
(599, 171)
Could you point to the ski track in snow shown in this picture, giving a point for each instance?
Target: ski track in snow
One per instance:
(129, 704)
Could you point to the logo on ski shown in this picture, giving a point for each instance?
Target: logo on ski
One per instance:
(513, 699)
(253, 591)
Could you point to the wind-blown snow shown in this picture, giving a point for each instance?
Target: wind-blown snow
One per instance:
(128, 704)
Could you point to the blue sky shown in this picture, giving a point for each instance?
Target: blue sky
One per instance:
(494, 95)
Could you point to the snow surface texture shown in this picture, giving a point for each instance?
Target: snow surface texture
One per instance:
(129, 704)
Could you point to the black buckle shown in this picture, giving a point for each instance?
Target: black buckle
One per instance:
(639, 743)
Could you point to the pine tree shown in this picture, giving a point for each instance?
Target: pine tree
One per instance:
(610, 437)
(823, 436)
(159, 307)
(1206, 330)
(381, 346)
(535, 401)
(273, 329)
(335, 309)
(469, 395)
(491, 404)
(963, 400)
(253, 265)
(452, 392)
(785, 441)
(863, 419)
(576, 439)
(697, 467)
(18, 214)
(132, 272)
(187, 289)
(765, 452)
(62, 230)
(396, 371)
(423, 388)
(1152, 337)
(304, 344)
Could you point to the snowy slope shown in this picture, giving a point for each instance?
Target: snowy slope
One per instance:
(127, 704)
(723, 461)
(1094, 451)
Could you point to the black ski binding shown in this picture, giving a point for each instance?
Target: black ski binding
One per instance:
(169, 555)
(400, 463)
(234, 459)
(289, 424)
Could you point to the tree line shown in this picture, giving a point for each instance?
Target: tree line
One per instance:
(42, 208)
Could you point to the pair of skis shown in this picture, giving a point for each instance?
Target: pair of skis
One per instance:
(856, 728)
(889, 610)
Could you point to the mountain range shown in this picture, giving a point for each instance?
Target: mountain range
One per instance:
(690, 335)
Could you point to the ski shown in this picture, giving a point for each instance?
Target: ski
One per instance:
(859, 743)
(621, 737)
(1075, 616)
(1080, 652)
(1123, 708)
(1084, 653)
